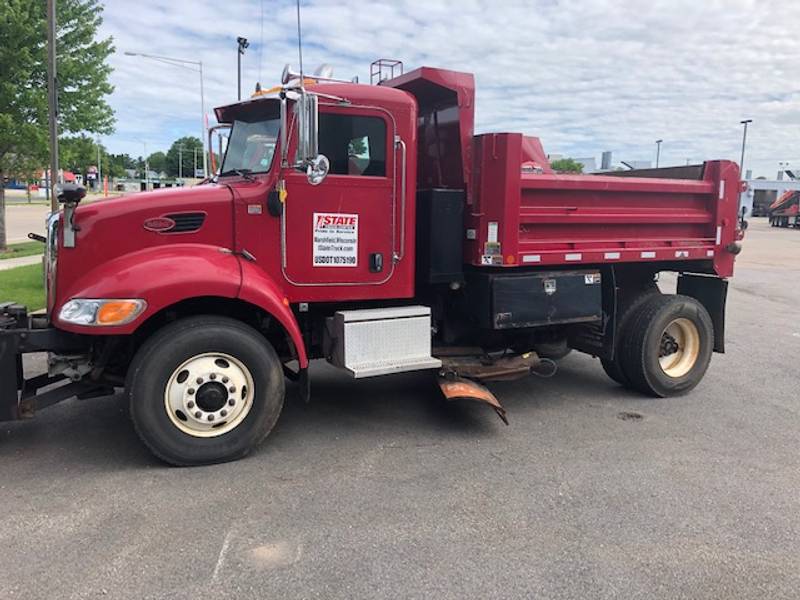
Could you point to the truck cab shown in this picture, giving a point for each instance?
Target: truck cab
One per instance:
(368, 225)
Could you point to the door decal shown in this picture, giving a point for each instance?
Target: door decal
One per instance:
(335, 240)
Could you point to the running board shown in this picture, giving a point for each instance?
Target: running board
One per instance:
(380, 341)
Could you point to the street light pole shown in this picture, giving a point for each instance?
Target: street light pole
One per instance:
(180, 62)
(203, 125)
(146, 169)
(242, 45)
(658, 151)
(744, 140)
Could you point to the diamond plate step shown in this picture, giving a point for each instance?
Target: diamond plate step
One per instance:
(380, 341)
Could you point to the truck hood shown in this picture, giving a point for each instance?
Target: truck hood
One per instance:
(115, 227)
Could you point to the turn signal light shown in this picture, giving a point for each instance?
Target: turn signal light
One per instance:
(115, 312)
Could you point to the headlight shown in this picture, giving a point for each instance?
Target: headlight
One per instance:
(101, 312)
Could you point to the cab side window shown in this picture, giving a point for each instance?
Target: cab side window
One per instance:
(354, 145)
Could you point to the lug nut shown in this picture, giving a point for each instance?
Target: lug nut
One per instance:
(225, 380)
(191, 404)
(198, 414)
(231, 402)
(232, 389)
(223, 413)
(199, 380)
(210, 417)
(190, 391)
(212, 376)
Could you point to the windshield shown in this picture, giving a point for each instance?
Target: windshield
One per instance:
(251, 145)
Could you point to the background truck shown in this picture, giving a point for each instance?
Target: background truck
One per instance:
(785, 211)
(369, 225)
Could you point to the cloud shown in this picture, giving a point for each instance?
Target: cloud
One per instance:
(583, 76)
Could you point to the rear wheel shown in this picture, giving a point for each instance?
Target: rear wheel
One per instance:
(205, 390)
(630, 300)
(668, 345)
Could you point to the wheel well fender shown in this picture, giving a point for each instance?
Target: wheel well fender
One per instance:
(261, 290)
(162, 275)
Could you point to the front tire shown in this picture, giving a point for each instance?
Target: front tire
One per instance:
(668, 345)
(205, 390)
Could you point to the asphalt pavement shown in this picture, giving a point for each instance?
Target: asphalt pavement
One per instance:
(379, 489)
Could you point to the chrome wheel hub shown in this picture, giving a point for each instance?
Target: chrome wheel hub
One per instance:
(209, 395)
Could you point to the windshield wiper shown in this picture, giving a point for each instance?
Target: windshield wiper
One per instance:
(243, 173)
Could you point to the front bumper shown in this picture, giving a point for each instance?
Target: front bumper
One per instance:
(21, 333)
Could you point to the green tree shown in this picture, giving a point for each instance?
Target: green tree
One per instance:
(82, 79)
(117, 163)
(158, 162)
(77, 153)
(566, 165)
(188, 145)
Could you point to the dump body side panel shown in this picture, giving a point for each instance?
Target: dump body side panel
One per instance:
(534, 219)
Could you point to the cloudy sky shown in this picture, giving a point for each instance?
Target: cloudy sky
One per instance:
(584, 76)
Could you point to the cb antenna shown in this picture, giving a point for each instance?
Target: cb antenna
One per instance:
(300, 44)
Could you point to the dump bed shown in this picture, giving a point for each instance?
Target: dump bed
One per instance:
(787, 205)
(518, 216)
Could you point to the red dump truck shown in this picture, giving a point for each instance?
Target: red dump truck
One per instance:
(785, 211)
(368, 225)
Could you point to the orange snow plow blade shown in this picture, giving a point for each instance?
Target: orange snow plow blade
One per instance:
(459, 388)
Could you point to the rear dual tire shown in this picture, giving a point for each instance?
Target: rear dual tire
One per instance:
(630, 300)
(205, 390)
(665, 345)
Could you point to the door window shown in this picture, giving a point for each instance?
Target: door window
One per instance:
(353, 145)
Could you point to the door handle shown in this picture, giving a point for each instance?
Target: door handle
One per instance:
(375, 262)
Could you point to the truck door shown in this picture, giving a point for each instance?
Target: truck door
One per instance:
(341, 231)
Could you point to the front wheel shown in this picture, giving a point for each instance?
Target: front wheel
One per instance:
(205, 390)
(668, 345)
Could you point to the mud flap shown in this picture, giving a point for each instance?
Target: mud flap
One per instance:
(459, 388)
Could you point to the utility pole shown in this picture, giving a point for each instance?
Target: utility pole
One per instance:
(146, 169)
(744, 141)
(194, 173)
(658, 151)
(243, 44)
(180, 162)
(52, 102)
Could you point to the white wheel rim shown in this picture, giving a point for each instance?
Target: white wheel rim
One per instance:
(209, 395)
(679, 347)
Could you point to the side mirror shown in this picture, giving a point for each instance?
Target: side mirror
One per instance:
(315, 164)
(71, 193)
(317, 169)
(308, 126)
